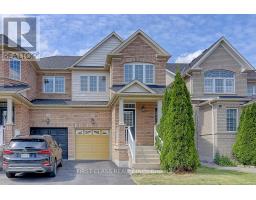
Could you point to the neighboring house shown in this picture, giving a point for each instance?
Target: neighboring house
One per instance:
(220, 81)
(99, 106)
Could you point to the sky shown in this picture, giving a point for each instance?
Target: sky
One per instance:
(183, 36)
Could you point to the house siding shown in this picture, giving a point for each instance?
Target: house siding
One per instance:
(78, 95)
(98, 56)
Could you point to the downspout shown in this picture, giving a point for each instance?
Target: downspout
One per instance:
(213, 131)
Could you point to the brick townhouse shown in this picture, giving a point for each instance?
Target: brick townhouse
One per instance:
(105, 104)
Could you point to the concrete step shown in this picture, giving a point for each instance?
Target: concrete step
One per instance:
(148, 160)
(146, 166)
(145, 147)
(146, 151)
(147, 156)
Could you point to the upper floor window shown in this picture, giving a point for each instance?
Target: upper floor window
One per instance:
(15, 69)
(231, 119)
(251, 89)
(93, 83)
(139, 71)
(54, 84)
(219, 81)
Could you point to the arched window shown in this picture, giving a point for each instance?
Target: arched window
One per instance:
(219, 81)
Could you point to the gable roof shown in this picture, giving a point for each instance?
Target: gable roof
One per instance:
(148, 39)
(57, 62)
(209, 50)
(113, 34)
(173, 67)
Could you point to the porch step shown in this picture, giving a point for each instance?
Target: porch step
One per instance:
(146, 166)
(147, 157)
(148, 160)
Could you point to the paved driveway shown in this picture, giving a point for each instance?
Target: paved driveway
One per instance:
(76, 173)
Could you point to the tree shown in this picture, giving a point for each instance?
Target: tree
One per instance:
(177, 129)
(244, 147)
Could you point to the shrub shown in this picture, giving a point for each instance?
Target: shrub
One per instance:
(244, 147)
(223, 160)
(177, 129)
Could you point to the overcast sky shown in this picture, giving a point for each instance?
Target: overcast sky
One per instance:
(183, 36)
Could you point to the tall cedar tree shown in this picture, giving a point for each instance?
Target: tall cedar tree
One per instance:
(177, 129)
(244, 147)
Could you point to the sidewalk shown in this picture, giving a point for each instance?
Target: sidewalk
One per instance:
(246, 169)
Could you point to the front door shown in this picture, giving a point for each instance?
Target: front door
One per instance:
(129, 120)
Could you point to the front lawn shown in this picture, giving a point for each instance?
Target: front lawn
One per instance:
(203, 176)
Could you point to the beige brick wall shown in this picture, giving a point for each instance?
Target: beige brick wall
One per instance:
(66, 95)
(145, 123)
(71, 118)
(138, 51)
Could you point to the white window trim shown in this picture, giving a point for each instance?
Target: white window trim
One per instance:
(237, 115)
(10, 69)
(97, 86)
(54, 92)
(253, 89)
(224, 86)
(144, 72)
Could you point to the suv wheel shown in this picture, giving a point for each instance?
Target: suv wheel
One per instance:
(10, 175)
(54, 170)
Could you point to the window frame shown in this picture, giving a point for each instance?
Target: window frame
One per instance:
(237, 115)
(225, 79)
(253, 85)
(97, 84)
(11, 74)
(54, 80)
(143, 71)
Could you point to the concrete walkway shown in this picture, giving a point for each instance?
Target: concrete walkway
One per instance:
(238, 168)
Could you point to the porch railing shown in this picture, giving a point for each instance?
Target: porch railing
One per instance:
(130, 142)
(158, 142)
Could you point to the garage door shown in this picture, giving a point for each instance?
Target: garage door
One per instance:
(92, 144)
(59, 134)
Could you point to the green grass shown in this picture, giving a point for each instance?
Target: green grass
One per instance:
(203, 176)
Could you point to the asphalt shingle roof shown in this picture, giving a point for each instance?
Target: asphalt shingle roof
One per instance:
(57, 62)
(66, 102)
(13, 87)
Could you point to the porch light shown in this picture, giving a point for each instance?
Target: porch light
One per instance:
(93, 121)
(143, 108)
(47, 121)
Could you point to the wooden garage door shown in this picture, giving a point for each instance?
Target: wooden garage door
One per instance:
(92, 144)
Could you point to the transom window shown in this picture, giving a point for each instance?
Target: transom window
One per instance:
(219, 81)
(15, 69)
(54, 84)
(93, 83)
(231, 119)
(142, 72)
(251, 89)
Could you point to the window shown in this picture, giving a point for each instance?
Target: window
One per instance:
(251, 89)
(15, 69)
(54, 84)
(231, 119)
(84, 83)
(128, 73)
(93, 83)
(219, 81)
(102, 83)
(139, 71)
